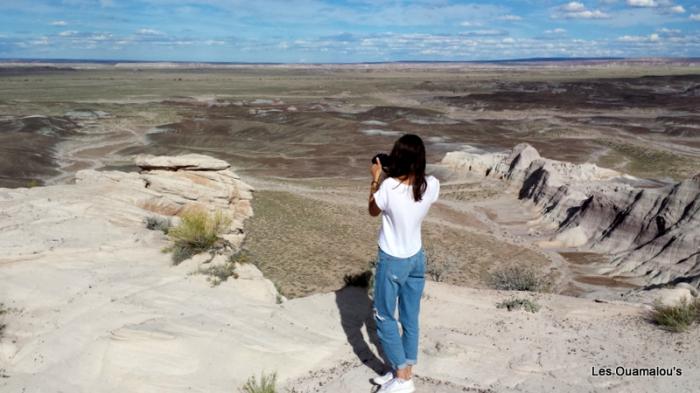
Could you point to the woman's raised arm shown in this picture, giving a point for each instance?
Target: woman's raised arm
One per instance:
(376, 171)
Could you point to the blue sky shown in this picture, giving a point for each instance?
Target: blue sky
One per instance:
(346, 30)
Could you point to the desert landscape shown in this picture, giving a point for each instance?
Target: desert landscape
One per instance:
(583, 173)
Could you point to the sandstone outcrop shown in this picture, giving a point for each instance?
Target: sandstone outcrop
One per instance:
(651, 231)
(167, 185)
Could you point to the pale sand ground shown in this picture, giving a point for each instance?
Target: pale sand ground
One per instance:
(96, 307)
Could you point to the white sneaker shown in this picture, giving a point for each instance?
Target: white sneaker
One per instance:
(398, 385)
(382, 379)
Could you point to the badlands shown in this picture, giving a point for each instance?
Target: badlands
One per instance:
(584, 172)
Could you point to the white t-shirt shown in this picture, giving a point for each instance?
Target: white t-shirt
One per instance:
(400, 235)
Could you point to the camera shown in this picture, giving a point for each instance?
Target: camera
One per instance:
(385, 159)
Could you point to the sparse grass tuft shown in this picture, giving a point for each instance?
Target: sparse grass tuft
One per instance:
(518, 303)
(197, 232)
(676, 318)
(241, 257)
(220, 273)
(156, 223)
(518, 278)
(267, 384)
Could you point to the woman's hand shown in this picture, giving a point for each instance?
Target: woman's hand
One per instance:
(376, 170)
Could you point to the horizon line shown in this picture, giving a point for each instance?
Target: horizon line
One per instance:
(511, 60)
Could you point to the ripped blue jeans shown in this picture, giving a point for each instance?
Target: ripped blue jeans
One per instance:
(399, 281)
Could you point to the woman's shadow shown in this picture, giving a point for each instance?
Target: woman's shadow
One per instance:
(355, 308)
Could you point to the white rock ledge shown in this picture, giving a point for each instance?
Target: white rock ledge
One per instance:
(192, 162)
(95, 307)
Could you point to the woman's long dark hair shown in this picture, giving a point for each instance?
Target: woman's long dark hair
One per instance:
(408, 159)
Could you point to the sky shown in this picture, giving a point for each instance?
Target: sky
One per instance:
(346, 31)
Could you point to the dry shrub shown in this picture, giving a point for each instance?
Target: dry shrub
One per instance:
(198, 231)
(676, 318)
(267, 384)
(519, 278)
(518, 303)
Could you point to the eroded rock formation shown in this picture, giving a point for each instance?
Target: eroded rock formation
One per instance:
(168, 185)
(649, 231)
(164, 187)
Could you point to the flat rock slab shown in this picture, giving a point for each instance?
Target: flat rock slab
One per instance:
(193, 162)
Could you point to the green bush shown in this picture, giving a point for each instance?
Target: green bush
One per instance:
(265, 385)
(677, 318)
(197, 232)
(518, 278)
(518, 303)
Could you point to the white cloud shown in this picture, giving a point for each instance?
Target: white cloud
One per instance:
(642, 3)
(68, 33)
(654, 37)
(631, 38)
(149, 32)
(595, 14)
(576, 10)
(558, 30)
(663, 6)
(41, 41)
(573, 6)
(669, 32)
(467, 23)
(59, 23)
(695, 17)
(101, 37)
(677, 9)
(486, 32)
(510, 17)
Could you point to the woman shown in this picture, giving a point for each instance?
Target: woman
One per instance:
(403, 200)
